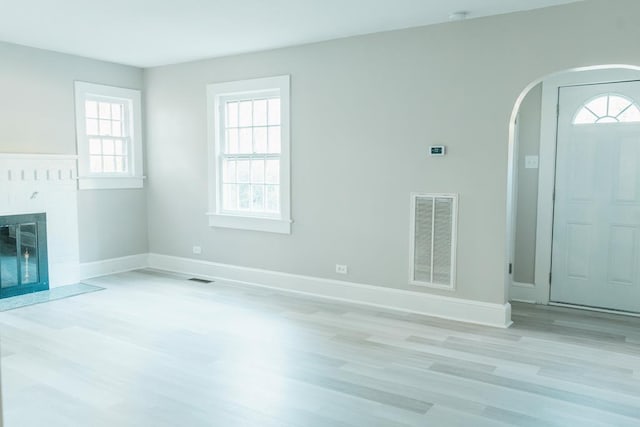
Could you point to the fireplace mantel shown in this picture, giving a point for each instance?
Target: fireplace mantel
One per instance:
(31, 183)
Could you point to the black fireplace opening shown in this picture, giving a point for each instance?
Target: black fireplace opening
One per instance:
(23, 254)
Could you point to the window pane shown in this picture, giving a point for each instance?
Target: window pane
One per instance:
(257, 171)
(95, 146)
(92, 127)
(274, 139)
(91, 109)
(245, 118)
(258, 198)
(116, 111)
(244, 196)
(617, 104)
(585, 117)
(120, 164)
(274, 111)
(229, 171)
(631, 114)
(232, 114)
(272, 171)
(95, 163)
(243, 170)
(105, 110)
(119, 147)
(260, 112)
(230, 197)
(599, 106)
(108, 147)
(245, 141)
(116, 128)
(272, 198)
(105, 127)
(232, 141)
(108, 164)
(259, 140)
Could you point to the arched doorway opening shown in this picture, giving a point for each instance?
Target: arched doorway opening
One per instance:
(545, 176)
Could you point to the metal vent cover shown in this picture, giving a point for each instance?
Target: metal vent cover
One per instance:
(196, 279)
(434, 220)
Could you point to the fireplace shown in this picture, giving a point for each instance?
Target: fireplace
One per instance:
(23, 254)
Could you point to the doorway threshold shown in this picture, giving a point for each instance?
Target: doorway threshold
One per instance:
(598, 309)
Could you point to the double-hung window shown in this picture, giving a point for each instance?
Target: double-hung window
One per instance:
(109, 136)
(249, 154)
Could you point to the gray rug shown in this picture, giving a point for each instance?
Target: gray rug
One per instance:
(46, 296)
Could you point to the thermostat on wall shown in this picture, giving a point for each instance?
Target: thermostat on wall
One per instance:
(437, 150)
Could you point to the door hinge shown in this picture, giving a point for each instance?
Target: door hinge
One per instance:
(510, 268)
(553, 197)
(558, 110)
(549, 278)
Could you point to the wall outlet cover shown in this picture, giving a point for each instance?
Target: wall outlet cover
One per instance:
(437, 150)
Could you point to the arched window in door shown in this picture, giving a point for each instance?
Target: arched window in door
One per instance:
(608, 108)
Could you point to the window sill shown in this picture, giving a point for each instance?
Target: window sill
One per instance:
(110, 182)
(270, 225)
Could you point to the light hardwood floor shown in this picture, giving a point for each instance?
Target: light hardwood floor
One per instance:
(158, 350)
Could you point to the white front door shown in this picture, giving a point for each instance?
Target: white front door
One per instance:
(596, 229)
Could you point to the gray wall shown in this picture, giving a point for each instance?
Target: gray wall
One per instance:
(37, 115)
(364, 111)
(527, 189)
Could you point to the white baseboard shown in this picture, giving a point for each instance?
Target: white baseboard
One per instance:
(497, 315)
(112, 266)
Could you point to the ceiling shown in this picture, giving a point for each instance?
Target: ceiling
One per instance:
(148, 33)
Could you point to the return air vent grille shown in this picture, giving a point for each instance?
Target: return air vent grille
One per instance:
(196, 279)
(433, 240)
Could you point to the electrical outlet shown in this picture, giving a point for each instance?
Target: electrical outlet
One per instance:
(197, 250)
(341, 269)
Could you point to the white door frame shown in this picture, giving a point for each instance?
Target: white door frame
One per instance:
(538, 292)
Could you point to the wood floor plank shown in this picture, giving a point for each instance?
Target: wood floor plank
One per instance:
(155, 349)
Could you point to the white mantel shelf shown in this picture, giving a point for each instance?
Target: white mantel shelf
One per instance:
(35, 156)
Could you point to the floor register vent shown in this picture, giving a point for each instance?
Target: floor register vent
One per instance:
(434, 221)
(195, 279)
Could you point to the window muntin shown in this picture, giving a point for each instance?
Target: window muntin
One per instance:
(608, 108)
(108, 135)
(249, 146)
(250, 154)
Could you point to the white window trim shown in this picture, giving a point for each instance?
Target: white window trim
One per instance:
(250, 221)
(88, 180)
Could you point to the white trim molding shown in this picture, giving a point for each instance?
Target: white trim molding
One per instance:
(131, 100)
(272, 225)
(538, 292)
(113, 266)
(218, 94)
(482, 313)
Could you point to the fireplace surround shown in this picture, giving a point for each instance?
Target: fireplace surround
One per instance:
(45, 183)
(23, 254)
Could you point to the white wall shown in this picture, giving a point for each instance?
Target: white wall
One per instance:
(527, 189)
(37, 116)
(364, 111)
